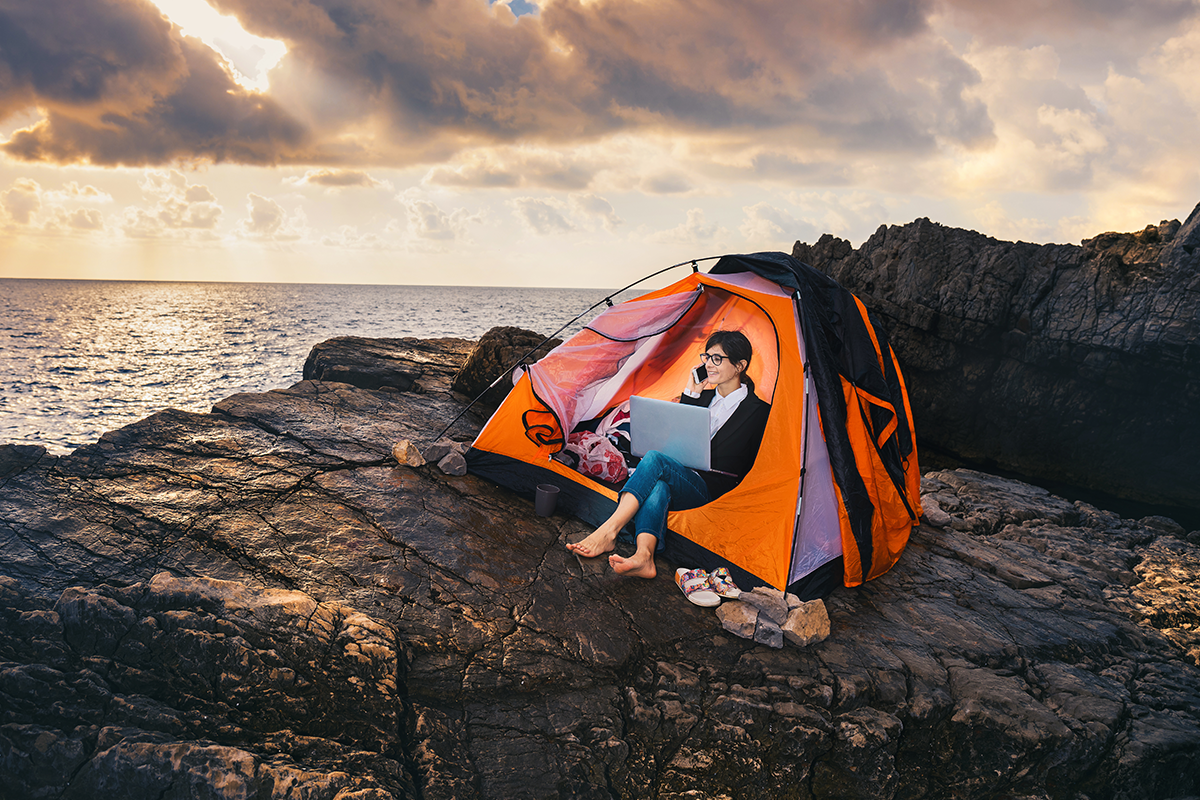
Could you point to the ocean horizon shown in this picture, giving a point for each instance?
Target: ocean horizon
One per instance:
(82, 357)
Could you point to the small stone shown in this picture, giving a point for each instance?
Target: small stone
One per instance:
(769, 601)
(453, 463)
(439, 449)
(405, 452)
(738, 618)
(807, 624)
(933, 513)
(792, 601)
(768, 633)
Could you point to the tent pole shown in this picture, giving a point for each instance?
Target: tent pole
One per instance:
(803, 450)
(607, 299)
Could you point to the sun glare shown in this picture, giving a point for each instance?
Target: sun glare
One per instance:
(251, 57)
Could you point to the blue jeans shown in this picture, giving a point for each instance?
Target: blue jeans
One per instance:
(662, 484)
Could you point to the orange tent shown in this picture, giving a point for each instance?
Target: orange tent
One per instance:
(836, 476)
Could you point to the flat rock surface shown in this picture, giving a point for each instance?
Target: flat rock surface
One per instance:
(260, 602)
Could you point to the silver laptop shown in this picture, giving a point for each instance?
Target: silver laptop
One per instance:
(675, 429)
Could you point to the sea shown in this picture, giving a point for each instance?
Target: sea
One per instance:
(80, 357)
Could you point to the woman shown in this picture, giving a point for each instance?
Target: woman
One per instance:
(737, 419)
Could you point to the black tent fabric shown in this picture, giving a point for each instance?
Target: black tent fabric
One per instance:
(838, 342)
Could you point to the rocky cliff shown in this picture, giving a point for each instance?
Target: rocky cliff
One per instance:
(259, 602)
(1076, 364)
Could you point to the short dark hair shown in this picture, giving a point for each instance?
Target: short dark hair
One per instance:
(737, 348)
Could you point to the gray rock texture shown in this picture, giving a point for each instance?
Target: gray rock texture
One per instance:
(498, 351)
(260, 602)
(371, 363)
(1070, 363)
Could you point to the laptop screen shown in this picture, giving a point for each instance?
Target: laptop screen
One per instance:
(675, 429)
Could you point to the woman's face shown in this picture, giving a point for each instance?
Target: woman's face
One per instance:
(718, 374)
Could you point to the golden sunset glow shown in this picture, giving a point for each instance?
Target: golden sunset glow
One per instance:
(251, 57)
(571, 143)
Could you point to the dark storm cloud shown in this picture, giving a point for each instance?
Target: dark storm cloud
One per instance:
(398, 81)
(118, 85)
(582, 70)
(84, 55)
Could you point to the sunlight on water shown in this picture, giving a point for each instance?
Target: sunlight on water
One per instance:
(78, 358)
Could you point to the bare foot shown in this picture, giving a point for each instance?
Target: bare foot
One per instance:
(597, 543)
(638, 565)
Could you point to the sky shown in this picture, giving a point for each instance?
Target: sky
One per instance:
(572, 142)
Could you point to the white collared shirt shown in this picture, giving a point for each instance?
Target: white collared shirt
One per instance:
(720, 409)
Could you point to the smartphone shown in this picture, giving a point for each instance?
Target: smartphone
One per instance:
(700, 374)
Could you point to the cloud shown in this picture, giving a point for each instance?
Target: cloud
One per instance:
(22, 201)
(428, 222)
(995, 220)
(349, 237)
(594, 206)
(609, 98)
(769, 228)
(542, 216)
(338, 178)
(387, 82)
(840, 213)
(268, 221)
(28, 204)
(72, 191)
(85, 219)
(178, 209)
(667, 183)
(509, 168)
(118, 85)
(695, 230)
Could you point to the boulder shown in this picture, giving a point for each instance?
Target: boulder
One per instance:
(405, 452)
(392, 364)
(807, 623)
(498, 352)
(1069, 363)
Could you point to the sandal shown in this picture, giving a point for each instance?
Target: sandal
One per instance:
(695, 586)
(723, 585)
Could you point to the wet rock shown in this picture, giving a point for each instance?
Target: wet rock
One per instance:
(262, 601)
(1070, 363)
(16, 457)
(498, 352)
(170, 678)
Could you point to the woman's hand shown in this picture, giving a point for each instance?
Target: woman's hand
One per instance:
(693, 387)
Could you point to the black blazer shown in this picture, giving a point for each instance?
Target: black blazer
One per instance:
(736, 443)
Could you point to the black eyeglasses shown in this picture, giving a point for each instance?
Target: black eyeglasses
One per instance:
(713, 358)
